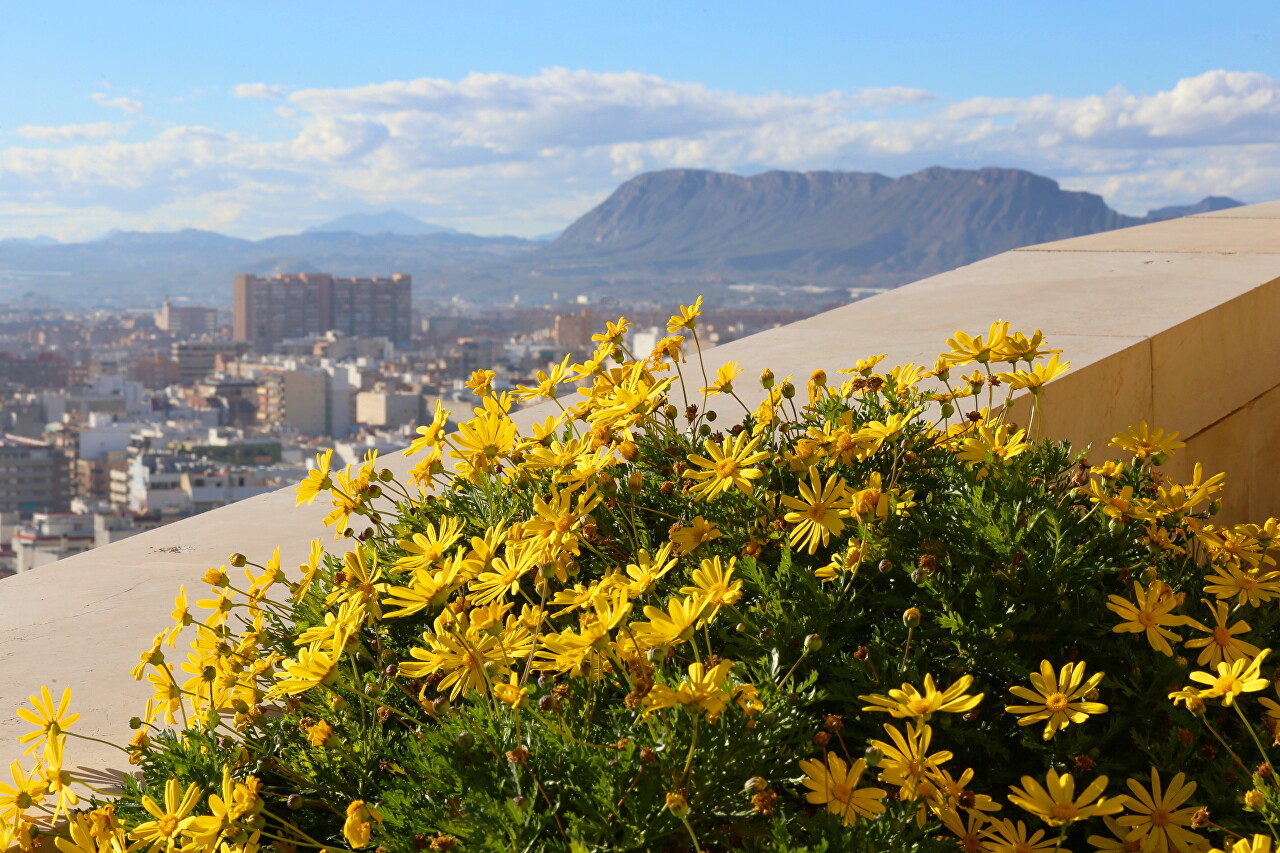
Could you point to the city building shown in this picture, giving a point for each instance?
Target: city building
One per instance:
(34, 476)
(268, 310)
(186, 321)
(49, 537)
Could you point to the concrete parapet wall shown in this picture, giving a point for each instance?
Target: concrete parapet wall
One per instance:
(1171, 323)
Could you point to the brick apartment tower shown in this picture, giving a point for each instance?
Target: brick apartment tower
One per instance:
(268, 310)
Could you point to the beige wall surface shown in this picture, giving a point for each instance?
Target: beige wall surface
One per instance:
(1166, 322)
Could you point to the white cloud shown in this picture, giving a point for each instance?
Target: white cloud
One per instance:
(496, 152)
(261, 91)
(128, 106)
(72, 132)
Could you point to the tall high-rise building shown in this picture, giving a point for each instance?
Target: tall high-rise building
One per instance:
(268, 310)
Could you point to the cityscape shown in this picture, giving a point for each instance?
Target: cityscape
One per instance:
(118, 422)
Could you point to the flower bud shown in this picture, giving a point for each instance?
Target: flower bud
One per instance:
(872, 756)
(635, 482)
(788, 390)
(819, 377)
(1253, 798)
(677, 805)
(294, 801)
(464, 740)
(238, 560)
(657, 654)
(812, 643)
(711, 415)
(767, 382)
(755, 785)
(911, 617)
(885, 566)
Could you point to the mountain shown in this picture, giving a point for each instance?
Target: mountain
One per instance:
(42, 240)
(373, 224)
(659, 237)
(823, 227)
(1208, 204)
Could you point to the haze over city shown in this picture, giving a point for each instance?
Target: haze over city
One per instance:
(507, 118)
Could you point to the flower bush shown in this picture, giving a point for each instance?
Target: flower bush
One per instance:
(869, 613)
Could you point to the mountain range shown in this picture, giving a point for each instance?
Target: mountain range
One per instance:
(659, 233)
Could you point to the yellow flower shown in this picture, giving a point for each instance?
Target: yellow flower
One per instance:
(714, 587)
(547, 382)
(703, 691)
(724, 379)
(1157, 821)
(50, 721)
(728, 466)
(1221, 644)
(1056, 803)
(648, 569)
(968, 832)
(1143, 442)
(1057, 697)
(815, 512)
(698, 533)
(909, 702)
(1004, 836)
(965, 349)
(835, 784)
(317, 479)
(27, 791)
(1036, 378)
(1151, 613)
(510, 692)
(481, 382)
(687, 318)
(613, 333)
(985, 446)
(431, 435)
(1256, 844)
(671, 627)
(1018, 347)
(907, 760)
(422, 550)
(1247, 586)
(310, 669)
(1121, 507)
(171, 820)
(358, 827)
(1240, 676)
(58, 781)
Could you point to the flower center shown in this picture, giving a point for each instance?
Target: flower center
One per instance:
(817, 512)
(1225, 684)
(1065, 811)
(1056, 702)
(841, 792)
(1147, 618)
(726, 468)
(920, 706)
(168, 826)
(1222, 636)
(1160, 818)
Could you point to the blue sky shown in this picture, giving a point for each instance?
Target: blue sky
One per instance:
(267, 117)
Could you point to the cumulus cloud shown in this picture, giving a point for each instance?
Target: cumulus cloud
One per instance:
(260, 91)
(128, 106)
(499, 152)
(72, 132)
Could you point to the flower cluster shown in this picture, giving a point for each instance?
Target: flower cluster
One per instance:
(834, 617)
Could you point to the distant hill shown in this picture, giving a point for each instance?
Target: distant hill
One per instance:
(373, 224)
(1207, 204)
(660, 236)
(833, 227)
